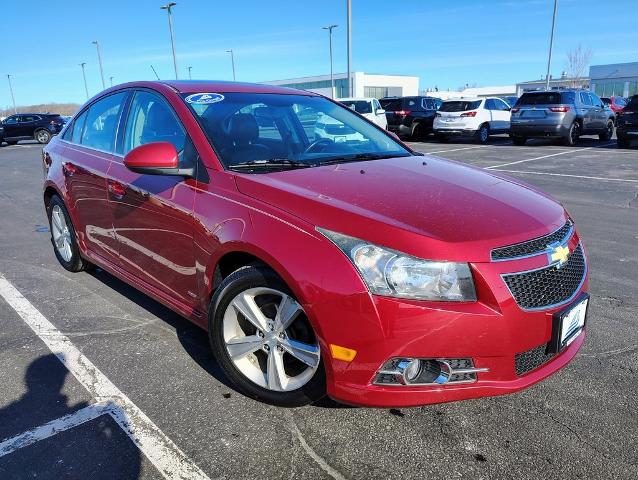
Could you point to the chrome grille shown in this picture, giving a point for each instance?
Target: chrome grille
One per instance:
(531, 359)
(534, 246)
(548, 286)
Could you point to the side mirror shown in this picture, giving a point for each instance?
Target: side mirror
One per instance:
(157, 158)
(380, 111)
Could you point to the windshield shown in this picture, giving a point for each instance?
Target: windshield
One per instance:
(459, 106)
(288, 130)
(359, 106)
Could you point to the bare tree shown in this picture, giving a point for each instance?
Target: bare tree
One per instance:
(577, 62)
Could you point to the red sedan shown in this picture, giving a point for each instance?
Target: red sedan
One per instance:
(320, 253)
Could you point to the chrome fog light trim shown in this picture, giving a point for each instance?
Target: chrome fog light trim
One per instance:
(426, 371)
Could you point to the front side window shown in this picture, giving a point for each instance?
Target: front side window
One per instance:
(304, 131)
(101, 122)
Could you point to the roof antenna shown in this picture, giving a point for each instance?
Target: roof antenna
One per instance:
(155, 72)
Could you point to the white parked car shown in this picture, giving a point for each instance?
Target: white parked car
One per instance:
(369, 108)
(332, 129)
(477, 117)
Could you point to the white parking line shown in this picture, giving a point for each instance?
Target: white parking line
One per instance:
(457, 149)
(169, 460)
(537, 158)
(566, 175)
(54, 427)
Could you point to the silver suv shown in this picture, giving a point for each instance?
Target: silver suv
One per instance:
(565, 114)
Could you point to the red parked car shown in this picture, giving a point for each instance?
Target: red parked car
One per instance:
(615, 103)
(349, 265)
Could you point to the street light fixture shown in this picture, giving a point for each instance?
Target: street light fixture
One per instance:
(99, 59)
(168, 7)
(86, 89)
(111, 79)
(232, 59)
(15, 110)
(332, 80)
(190, 77)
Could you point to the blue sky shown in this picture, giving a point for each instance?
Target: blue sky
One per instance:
(446, 43)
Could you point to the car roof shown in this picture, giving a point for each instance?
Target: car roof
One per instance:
(355, 99)
(216, 86)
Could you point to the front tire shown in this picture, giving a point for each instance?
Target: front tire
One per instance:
(263, 341)
(608, 133)
(63, 237)
(42, 136)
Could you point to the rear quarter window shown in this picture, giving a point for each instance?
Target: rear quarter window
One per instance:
(459, 106)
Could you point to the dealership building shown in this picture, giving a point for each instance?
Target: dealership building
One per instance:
(620, 79)
(364, 85)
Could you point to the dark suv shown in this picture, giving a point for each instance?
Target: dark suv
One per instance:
(627, 123)
(565, 114)
(29, 126)
(410, 117)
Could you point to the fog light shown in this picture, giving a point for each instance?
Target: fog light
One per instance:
(411, 370)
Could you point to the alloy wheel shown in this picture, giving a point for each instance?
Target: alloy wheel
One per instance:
(61, 233)
(269, 339)
(42, 137)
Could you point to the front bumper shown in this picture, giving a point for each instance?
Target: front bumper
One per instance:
(538, 130)
(490, 332)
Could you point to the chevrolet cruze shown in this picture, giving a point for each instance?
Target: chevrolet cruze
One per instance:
(349, 266)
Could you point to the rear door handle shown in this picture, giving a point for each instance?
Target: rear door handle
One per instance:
(116, 189)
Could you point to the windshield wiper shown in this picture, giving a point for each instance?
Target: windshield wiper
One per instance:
(283, 163)
(361, 157)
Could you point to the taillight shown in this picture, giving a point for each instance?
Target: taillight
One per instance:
(515, 109)
(469, 114)
(403, 113)
(562, 109)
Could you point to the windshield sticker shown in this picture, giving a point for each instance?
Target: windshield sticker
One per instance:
(204, 98)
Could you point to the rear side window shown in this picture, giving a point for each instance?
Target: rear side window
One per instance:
(411, 104)
(429, 104)
(459, 106)
(540, 98)
(101, 122)
(78, 127)
(585, 98)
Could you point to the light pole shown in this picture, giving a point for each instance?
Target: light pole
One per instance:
(99, 59)
(332, 80)
(168, 7)
(111, 79)
(15, 110)
(349, 14)
(86, 89)
(232, 60)
(551, 44)
(189, 73)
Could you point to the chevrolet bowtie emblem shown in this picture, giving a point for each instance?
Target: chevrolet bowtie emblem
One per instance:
(557, 254)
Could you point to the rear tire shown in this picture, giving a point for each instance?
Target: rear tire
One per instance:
(285, 382)
(573, 134)
(63, 237)
(42, 136)
(483, 134)
(608, 133)
(520, 141)
(418, 132)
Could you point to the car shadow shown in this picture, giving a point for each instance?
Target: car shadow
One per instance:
(193, 339)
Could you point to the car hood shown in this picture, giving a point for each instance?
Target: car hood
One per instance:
(426, 206)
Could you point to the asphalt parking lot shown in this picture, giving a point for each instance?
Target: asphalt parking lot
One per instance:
(170, 413)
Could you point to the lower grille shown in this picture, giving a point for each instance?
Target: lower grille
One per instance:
(549, 286)
(530, 360)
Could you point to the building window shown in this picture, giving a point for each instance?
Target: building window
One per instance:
(609, 88)
(633, 89)
(375, 92)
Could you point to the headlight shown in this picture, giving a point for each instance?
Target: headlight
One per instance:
(394, 274)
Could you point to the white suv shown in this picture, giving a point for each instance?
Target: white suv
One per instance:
(369, 108)
(477, 117)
